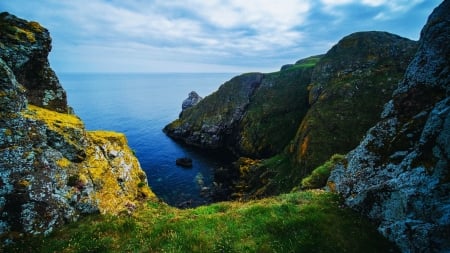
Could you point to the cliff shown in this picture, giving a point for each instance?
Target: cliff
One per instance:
(51, 169)
(245, 113)
(399, 175)
(300, 116)
(348, 89)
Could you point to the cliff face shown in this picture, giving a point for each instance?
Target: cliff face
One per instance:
(348, 89)
(24, 48)
(51, 169)
(245, 114)
(399, 175)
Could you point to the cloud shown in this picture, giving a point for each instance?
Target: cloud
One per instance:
(109, 35)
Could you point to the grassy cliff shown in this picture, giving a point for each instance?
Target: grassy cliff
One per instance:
(245, 114)
(280, 102)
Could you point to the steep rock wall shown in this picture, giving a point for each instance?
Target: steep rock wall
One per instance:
(51, 169)
(399, 175)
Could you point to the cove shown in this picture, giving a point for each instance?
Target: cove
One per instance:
(140, 105)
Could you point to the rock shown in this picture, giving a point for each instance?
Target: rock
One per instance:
(209, 125)
(192, 100)
(246, 113)
(25, 48)
(51, 169)
(399, 174)
(184, 162)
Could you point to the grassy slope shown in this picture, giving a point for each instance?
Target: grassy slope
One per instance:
(311, 221)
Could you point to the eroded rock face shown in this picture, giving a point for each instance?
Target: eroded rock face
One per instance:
(24, 48)
(51, 169)
(399, 175)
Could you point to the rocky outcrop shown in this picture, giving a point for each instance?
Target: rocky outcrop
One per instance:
(51, 169)
(247, 112)
(209, 123)
(192, 99)
(24, 48)
(399, 175)
(349, 86)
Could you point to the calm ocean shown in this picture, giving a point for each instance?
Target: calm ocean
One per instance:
(140, 105)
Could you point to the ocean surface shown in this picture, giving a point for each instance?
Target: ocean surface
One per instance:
(140, 105)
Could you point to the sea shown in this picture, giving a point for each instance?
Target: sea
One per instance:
(140, 105)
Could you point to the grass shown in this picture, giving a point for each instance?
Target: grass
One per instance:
(309, 221)
(319, 176)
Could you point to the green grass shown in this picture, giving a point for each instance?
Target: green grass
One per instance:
(319, 176)
(310, 221)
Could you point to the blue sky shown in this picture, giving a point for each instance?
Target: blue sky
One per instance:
(207, 35)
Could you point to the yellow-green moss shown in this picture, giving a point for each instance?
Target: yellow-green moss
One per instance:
(63, 162)
(104, 171)
(55, 120)
(35, 26)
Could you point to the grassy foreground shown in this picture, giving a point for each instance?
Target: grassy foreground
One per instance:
(308, 221)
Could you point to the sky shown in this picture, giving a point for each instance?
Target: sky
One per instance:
(229, 36)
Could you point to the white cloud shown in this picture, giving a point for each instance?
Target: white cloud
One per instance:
(104, 34)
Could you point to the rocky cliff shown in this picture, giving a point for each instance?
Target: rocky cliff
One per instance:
(399, 175)
(51, 169)
(348, 89)
(245, 114)
(306, 112)
(24, 48)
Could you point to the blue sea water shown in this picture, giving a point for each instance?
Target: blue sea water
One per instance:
(140, 105)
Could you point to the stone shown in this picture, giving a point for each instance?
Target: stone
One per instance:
(399, 174)
(192, 100)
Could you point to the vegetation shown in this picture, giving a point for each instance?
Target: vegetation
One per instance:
(280, 103)
(310, 221)
(319, 176)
